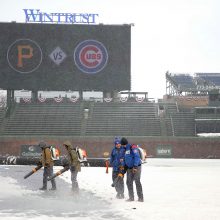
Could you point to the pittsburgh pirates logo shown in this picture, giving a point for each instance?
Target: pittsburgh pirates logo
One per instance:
(24, 56)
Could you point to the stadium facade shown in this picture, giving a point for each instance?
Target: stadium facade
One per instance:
(96, 58)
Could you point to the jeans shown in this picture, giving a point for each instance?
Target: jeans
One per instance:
(134, 177)
(119, 186)
(75, 185)
(48, 172)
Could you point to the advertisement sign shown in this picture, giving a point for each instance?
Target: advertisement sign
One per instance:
(164, 151)
(37, 16)
(30, 151)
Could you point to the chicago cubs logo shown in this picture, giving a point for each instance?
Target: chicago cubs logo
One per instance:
(90, 56)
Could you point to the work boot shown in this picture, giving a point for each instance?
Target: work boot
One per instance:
(53, 188)
(140, 200)
(43, 188)
(130, 200)
(75, 191)
(118, 196)
(122, 196)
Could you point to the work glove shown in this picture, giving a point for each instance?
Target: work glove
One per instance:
(122, 170)
(72, 168)
(65, 162)
(121, 175)
(39, 163)
(134, 170)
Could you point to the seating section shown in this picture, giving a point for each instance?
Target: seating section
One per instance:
(44, 119)
(208, 126)
(2, 115)
(168, 107)
(108, 119)
(184, 80)
(176, 122)
(207, 120)
(124, 119)
(209, 78)
(207, 113)
(169, 127)
(183, 124)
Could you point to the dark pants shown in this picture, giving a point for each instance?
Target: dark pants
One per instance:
(134, 177)
(75, 185)
(48, 172)
(119, 186)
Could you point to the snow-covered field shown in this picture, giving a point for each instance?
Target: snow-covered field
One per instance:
(174, 189)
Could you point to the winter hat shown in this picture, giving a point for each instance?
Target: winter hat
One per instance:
(42, 144)
(67, 143)
(117, 140)
(124, 141)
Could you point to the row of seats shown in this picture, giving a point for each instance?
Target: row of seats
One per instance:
(124, 119)
(178, 123)
(208, 126)
(139, 119)
(104, 119)
(2, 115)
(44, 119)
(184, 80)
(210, 79)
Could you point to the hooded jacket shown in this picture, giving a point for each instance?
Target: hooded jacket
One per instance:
(72, 155)
(132, 156)
(117, 155)
(46, 158)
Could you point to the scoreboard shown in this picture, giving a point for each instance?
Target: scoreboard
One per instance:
(62, 57)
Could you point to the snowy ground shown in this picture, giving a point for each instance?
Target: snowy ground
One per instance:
(174, 189)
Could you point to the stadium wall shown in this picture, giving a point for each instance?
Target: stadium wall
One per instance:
(100, 147)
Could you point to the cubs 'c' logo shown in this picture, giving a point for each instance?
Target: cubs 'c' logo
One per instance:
(90, 56)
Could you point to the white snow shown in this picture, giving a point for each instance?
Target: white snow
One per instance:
(174, 189)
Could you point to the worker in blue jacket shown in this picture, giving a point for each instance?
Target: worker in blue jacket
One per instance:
(117, 163)
(133, 167)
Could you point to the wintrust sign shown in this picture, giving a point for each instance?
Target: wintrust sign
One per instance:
(35, 15)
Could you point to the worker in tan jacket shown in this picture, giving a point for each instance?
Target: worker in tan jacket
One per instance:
(74, 164)
(48, 163)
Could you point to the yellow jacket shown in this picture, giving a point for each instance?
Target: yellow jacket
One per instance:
(46, 158)
(73, 157)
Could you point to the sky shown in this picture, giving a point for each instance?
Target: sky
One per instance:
(174, 189)
(179, 36)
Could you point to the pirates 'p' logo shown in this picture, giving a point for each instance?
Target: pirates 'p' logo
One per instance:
(24, 56)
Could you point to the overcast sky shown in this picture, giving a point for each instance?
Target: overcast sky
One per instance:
(180, 36)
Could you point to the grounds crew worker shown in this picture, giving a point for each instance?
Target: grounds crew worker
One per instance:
(117, 163)
(47, 163)
(74, 164)
(133, 168)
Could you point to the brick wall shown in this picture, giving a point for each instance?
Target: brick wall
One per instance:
(101, 146)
